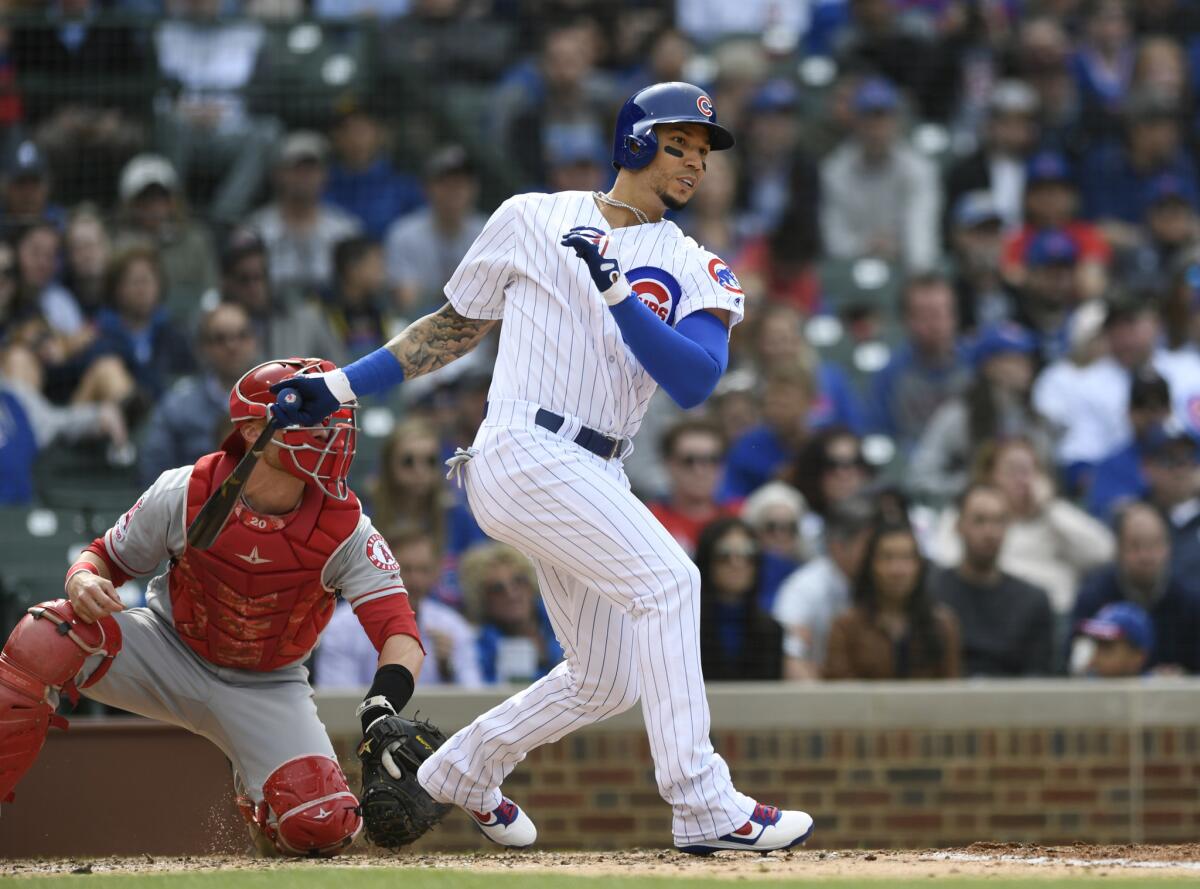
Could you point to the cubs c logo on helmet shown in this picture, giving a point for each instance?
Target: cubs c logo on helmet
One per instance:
(657, 289)
(704, 105)
(723, 275)
(380, 554)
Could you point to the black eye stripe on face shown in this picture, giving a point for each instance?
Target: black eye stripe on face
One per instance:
(672, 150)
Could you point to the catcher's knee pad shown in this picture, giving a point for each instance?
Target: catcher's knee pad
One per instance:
(44, 653)
(307, 808)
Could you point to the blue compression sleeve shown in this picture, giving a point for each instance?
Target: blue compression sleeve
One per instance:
(686, 360)
(374, 372)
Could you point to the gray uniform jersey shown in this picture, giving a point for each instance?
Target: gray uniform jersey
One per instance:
(260, 720)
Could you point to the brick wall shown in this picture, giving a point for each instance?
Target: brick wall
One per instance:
(887, 787)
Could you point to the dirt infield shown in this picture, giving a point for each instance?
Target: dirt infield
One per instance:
(991, 859)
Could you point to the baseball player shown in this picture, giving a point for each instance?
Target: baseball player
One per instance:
(602, 300)
(218, 649)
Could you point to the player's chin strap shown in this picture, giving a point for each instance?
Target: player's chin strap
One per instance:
(462, 456)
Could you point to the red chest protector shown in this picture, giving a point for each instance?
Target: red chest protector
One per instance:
(254, 600)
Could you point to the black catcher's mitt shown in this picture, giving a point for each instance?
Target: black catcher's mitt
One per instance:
(395, 810)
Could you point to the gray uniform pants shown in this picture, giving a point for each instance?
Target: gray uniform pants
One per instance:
(259, 720)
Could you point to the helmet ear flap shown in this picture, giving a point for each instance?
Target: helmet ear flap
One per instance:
(640, 150)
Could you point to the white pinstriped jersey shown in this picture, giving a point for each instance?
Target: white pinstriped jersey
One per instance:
(559, 345)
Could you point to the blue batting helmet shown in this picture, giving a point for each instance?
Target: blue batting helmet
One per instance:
(635, 144)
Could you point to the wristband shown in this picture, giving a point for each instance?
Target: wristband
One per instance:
(372, 373)
(81, 565)
(618, 292)
(392, 689)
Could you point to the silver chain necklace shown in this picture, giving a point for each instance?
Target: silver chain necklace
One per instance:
(641, 217)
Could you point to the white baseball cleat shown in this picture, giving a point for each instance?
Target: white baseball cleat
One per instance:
(506, 824)
(768, 830)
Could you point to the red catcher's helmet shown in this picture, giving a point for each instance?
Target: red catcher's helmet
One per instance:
(320, 454)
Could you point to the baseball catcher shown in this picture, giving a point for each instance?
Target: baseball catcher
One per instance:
(219, 647)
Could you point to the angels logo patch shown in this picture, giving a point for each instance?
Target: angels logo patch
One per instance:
(122, 526)
(657, 289)
(723, 275)
(380, 555)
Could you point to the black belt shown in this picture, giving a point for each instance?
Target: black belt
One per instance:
(598, 443)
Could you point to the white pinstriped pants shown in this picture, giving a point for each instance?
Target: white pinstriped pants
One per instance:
(624, 602)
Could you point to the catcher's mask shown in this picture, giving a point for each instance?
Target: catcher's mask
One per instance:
(320, 454)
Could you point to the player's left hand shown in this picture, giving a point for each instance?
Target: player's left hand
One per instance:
(604, 270)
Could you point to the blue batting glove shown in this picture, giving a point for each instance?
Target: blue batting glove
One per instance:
(317, 398)
(604, 270)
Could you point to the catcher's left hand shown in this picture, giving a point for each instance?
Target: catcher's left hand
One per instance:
(395, 810)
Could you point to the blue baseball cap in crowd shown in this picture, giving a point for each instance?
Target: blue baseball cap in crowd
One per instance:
(876, 95)
(25, 161)
(1000, 339)
(1048, 166)
(1170, 187)
(1121, 620)
(1169, 436)
(776, 95)
(1051, 246)
(975, 208)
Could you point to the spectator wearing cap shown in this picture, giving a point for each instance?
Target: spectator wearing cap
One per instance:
(1169, 459)
(154, 213)
(1052, 202)
(998, 166)
(1118, 477)
(27, 189)
(1116, 176)
(190, 419)
(1170, 232)
(577, 159)
(773, 140)
(976, 241)
(362, 179)
(213, 59)
(928, 369)
(1144, 577)
(298, 228)
(693, 452)
(358, 306)
(1103, 63)
(878, 196)
(1049, 292)
(1051, 543)
(996, 404)
(1122, 638)
(422, 250)
(1007, 624)
(281, 327)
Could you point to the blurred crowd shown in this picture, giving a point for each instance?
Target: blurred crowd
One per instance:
(960, 432)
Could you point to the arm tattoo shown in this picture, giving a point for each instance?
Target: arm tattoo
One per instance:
(436, 340)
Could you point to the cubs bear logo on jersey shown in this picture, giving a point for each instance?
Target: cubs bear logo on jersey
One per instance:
(723, 275)
(656, 288)
(380, 554)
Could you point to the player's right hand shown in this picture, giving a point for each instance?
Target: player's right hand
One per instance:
(319, 397)
(92, 596)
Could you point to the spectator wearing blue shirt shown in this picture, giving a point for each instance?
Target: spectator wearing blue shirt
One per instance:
(137, 329)
(769, 448)
(739, 640)
(516, 642)
(1119, 477)
(1143, 576)
(1116, 176)
(1103, 63)
(362, 180)
(928, 369)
